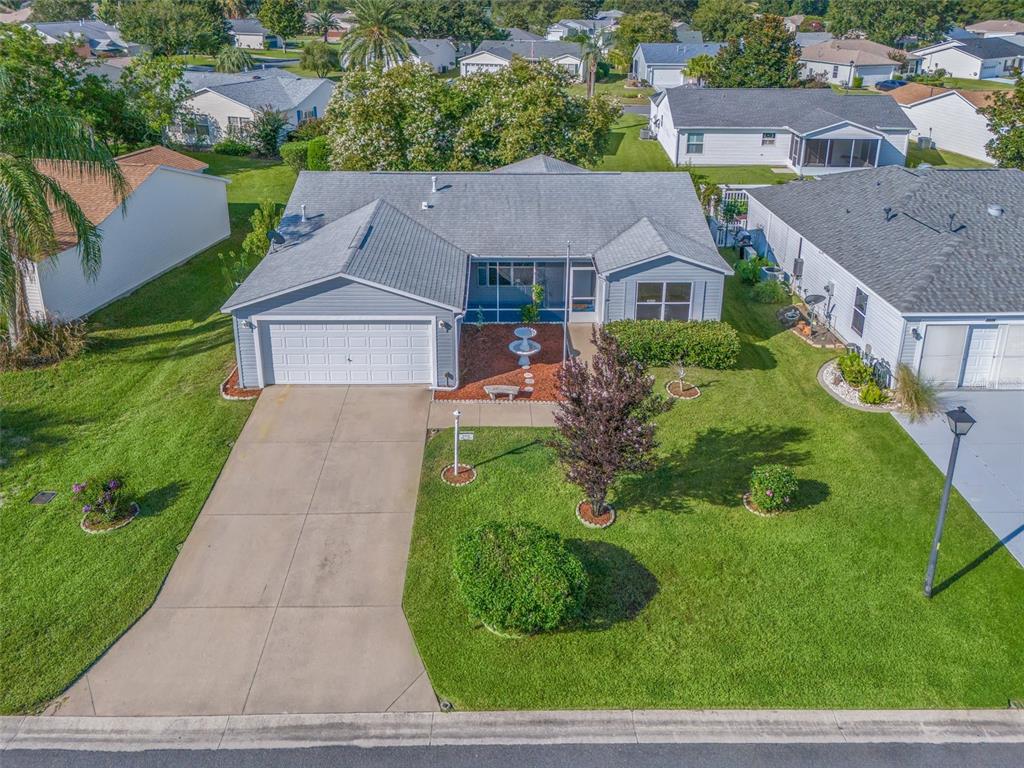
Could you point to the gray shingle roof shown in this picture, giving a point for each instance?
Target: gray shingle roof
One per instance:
(676, 53)
(517, 215)
(100, 35)
(248, 27)
(540, 164)
(531, 50)
(910, 257)
(205, 78)
(647, 239)
(431, 46)
(804, 39)
(801, 109)
(990, 47)
(514, 33)
(279, 93)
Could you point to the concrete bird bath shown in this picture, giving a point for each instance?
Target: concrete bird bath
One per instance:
(524, 347)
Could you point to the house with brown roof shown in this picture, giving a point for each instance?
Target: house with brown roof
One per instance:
(173, 210)
(947, 118)
(997, 28)
(841, 61)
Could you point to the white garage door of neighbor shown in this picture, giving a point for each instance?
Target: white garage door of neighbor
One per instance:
(348, 352)
(665, 77)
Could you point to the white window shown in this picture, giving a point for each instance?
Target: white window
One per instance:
(835, 70)
(663, 301)
(238, 126)
(860, 312)
(695, 143)
(768, 139)
(492, 273)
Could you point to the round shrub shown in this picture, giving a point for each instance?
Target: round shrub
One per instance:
(294, 153)
(319, 156)
(235, 147)
(773, 487)
(518, 578)
(700, 343)
(770, 292)
(872, 394)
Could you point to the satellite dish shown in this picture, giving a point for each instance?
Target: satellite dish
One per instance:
(275, 237)
(814, 298)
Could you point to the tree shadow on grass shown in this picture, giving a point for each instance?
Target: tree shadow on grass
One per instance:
(186, 342)
(715, 469)
(28, 431)
(810, 493)
(517, 451)
(620, 586)
(155, 501)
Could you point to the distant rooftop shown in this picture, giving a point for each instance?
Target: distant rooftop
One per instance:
(676, 53)
(531, 50)
(1007, 26)
(862, 52)
(248, 27)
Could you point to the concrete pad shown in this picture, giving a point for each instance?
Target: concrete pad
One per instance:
(505, 415)
(349, 560)
(441, 414)
(9, 726)
(594, 727)
(294, 731)
(267, 479)
(115, 734)
(542, 415)
(419, 697)
(369, 477)
(178, 661)
(735, 727)
(294, 413)
(76, 701)
(390, 414)
(232, 560)
(334, 660)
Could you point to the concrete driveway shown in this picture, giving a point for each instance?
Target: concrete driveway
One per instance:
(287, 595)
(990, 463)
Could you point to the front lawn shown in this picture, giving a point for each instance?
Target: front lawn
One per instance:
(615, 87)
(966, 84)
(941, 157)
(697, 602)
(142, 400)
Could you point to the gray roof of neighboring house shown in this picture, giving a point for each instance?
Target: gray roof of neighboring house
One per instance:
(803, 39)
(676, 53)
(911, 257)
(514, 33)
(647, 240)
(424, 47)
(421, 251)
(248, 27)
(529, 49)
(801, 109)
(278, 93)
(100, 35)
(990, 47)
(198, 79)
(589, 24)
(540, 164)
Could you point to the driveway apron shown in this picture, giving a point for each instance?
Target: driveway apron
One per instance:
(287, 595)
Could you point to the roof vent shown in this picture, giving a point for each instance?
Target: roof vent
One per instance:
(433, 183)
(889, 215)
(424, 206)
(303, 209)
(996, 210)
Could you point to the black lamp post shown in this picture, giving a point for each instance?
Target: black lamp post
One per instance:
(960, 423)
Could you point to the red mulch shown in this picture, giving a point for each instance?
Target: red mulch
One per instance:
(466, 474)
(586, 513)
(683, 390)
(230, 388)
(484, 359)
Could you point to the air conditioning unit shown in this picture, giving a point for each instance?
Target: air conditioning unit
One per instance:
(749, 252)
(924, 142)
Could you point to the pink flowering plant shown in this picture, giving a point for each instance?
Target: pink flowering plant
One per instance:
(773, 487)
(103, 499)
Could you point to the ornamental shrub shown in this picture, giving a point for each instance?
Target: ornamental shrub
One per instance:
(773, 487)
(749, 270)
(518, 578)
(855, 371)
(233, 146)
(319, 156)
(770, 292)
(295, 154)
(872, 394)
(700, 343)
(43, 342)
(308, 129)
(103, 498)
(858, 81)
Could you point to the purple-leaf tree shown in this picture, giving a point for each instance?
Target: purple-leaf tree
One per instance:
(604, 421)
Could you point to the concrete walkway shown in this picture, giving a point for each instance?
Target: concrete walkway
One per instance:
(287, 594)
(990, 464)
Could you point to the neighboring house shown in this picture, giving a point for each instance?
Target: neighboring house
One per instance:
(173, 211)
(919, 266)
(949, 118)
(228, 108)
(101, 38)
(110, 67)
(792, 23)
(515, 33)
(345, 22)
(975, 59)
(997, 28)
(682, 29)
(813, 131)
(379, 272)
(663, 64)
(250, 33)
(197, 79)
(492, 55)
(439, 53)
(597, 28)
(804, 39)
(840, 61)
(16, 17)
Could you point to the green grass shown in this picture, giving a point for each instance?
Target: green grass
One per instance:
(941, 158)
(698, 603)
(856, 91)
(974, 85)
(615, 87)
(143, 400)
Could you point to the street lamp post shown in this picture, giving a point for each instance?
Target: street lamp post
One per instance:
(960, 423)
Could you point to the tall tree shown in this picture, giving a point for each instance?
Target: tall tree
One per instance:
(526, 14)
(155, 85)
(701, 68)
(1005, 115)
(592, 56)
(636, 28)
(61, 10)
(766, 57)
(235, 9)
(231, 58)
(317, 56)
(169, 26)
(888, 22)
(323, 22)
(979, 10)
(378, 35)
(677, 10)
(285, 18)
(722, 19)
(466, 20)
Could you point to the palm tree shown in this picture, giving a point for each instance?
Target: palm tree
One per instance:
(233, 59)
(235, 9)
(322, 22)
(34, 139)
(378, 34)
(700, 68)
(591, 55)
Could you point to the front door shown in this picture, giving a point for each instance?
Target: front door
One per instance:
(583, 295)
(981, 353)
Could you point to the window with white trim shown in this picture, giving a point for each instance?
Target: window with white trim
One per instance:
(695, 143)
(860, 312)
(768, 139)
(238, 126)
(835, 70)
(493, 273)
(663, 301)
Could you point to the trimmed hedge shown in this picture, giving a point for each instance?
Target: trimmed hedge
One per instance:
(770, 292)
(319, 156)
(235, 147)
(295, 154)
(518, 578)
(701, 343)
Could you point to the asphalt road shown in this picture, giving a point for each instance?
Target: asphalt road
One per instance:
(589, 756)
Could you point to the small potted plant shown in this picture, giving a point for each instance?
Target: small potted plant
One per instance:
(680, 388)
(105, 505)
(773, 488)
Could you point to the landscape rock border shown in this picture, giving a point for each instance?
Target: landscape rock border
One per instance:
(462, 468)
(844, 393)
(118, 526)
(674, 396)
(590, 521)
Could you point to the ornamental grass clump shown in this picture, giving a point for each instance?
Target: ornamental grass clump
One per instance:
(773, 487)
(104, 500)
(518, 578)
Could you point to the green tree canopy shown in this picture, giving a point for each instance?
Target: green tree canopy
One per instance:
(61, 10)
(155, 85)
(636, 28)
(887, 22)
(1005, 115)
(317, 56)
(979, 10)
(169, 26)
(231, 58)
(323, 22)
(526, 14)
(677, 10)
(284, 18)
(721, 20)
(767, 57)
(468, 20)
(378, 35)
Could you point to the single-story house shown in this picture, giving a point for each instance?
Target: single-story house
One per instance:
(439, 53)
(976, 59)
(916, 266)
(948, 117)
(805, 39)
(229, 107)
(598, 27)
(102, 39)
(172, 212)
(250, 33)
(379, 271)
(997, 28)
(492, 55)
(813, 131)
(514, 33)
(663, 64)
(840, 61)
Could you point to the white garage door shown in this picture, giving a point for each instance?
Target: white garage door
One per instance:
(665, 78)
(943, 355)
(379, 352)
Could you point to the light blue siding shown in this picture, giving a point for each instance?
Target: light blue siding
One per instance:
(346, 298)
(708, 287)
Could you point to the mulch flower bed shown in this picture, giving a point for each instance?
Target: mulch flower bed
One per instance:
(485, 360)
(230, 390)
(682, 390)
(585, 513)
(92, 523)
(464, 476)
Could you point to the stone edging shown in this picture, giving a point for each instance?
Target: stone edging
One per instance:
(111, 529)
(839, 399)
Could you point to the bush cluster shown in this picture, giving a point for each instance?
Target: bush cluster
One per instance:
(773, 487)
(295, 153)
(770, 292)
(518, 578)
(749, 270)
(308, 129)
(700, 343)
(855, 371)
(43, 342)
(233, 146)
(103, 498)
(872, 394)
(312, 155)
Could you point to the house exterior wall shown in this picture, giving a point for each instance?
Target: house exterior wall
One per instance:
(620, 288)
(959, 64)
(170, 217)
(345, 298)
(256, 41)
(872, 73)
(952, 123)
(735, 146)
(481, 62)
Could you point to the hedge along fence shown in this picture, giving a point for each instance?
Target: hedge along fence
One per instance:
(701, 343)
(312, 155)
